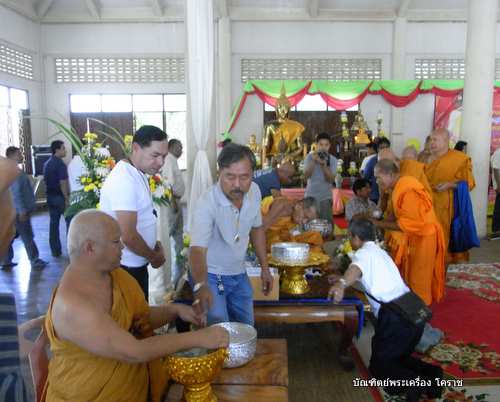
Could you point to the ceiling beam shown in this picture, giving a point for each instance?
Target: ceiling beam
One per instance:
(223, 8)
(313, 8)
(402, 11)
(157, 8)
(25, 9)
(93, 8)
(42, 7)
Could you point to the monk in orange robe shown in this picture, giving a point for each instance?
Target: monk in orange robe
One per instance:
(281, 216)
(418, 249)
(446, 168)
(100, 326)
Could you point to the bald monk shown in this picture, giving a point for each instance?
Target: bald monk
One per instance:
(410, 166)
(445, 169)
(419, 249)
(99, 324)
(425, 155)
(280, 216)
(8, 173)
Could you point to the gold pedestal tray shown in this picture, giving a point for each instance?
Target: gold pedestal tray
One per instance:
(292, 275)
(196, 374)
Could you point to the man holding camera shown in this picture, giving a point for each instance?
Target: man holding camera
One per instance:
(319, 170)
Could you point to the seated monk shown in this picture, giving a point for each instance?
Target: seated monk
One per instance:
(413, 235)
(100, 326)
(281, 216)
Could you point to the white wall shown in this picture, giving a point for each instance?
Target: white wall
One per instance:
(24, 35)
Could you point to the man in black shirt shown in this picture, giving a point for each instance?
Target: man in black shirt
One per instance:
(55, 174)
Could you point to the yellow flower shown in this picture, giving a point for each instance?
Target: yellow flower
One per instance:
(86, 189)
(90, 137)
(128, 139)
(98, 206)
(168, 193)
(186, 240)
(152, 186)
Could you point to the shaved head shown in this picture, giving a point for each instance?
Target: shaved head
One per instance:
(387, 173)
(92, 226)
(440, 141)
(285, 172)
(410, 152)
(387, 153)
(387, 166)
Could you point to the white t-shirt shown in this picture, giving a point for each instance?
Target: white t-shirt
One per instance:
(76, 169)
(380, 277)
(173, 175)
(495, 164)
(127, 189)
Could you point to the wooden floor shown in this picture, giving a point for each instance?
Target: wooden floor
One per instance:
(314, 372)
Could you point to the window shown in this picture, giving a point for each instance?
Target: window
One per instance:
(12, 102)
(311, 103)
(119, 69)
(439, 69)
(16, 62)
(167, 111)
(307, 69)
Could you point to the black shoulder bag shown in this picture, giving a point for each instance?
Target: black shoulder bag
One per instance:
(408, 306)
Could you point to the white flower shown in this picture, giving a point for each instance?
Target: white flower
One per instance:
(102, 171)
(102, 153)
(159, 191)
(184, 251)
(350, 254)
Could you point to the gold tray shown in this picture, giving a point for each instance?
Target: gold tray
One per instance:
(315, 259)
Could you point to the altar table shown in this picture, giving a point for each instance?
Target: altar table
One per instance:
(264, 378)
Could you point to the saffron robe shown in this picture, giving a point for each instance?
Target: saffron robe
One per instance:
(418, 249)
(454, 166)
(77, 375)
(279, 231)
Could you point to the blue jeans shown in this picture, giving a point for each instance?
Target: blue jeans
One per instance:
(236, 301)
(56, 206)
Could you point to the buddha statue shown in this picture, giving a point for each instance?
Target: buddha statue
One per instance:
(360, 127)
(282, 138)
(255, 148)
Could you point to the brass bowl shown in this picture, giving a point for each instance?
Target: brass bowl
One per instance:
(196, 373)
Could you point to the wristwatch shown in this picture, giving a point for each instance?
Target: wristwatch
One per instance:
(343, 282)
(197, 286)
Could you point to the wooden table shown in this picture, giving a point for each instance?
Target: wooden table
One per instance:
(265, 378)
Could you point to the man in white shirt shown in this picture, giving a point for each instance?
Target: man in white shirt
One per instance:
(495, 172)
(395, 338)
(173, 175)
(126, 196)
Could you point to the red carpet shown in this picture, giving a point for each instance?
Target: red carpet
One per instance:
(469, 315)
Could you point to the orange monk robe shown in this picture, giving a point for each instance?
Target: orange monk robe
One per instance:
(280, 231)
(454, 166)
(77, 375)
(418, 249)
(410, 167)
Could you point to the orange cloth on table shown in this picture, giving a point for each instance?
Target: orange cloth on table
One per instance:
(418, 249)
(78, 375)
(454, 166)
(279, 231)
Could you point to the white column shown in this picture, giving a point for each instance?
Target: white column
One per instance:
(478, 97)
(398, 73)
(224, 75)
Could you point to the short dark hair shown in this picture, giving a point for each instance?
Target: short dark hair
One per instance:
(460, 145)
(373, 145)
(362, 228)
(55, 145)
(309, 202)
(232, 153)
(323, 136)
(11, 151)
(359, 184)
(383, 140)
(147, 134)
(173, 142)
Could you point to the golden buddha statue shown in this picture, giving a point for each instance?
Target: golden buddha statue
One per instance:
(282, 138)
(255, 148)
(360, 127)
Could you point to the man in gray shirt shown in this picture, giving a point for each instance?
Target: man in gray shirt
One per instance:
(227, 217)
(319, 171)
(25, 203)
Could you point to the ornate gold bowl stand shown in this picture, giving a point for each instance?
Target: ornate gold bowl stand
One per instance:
(292, 275)
(196, 374)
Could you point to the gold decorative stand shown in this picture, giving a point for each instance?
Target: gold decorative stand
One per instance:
(292, 275)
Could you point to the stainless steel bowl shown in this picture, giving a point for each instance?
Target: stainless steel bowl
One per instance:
(320, 225)
(242, 343)
(290, 253)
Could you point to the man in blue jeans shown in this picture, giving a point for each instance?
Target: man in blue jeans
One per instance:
(227, 217)
(55, 174)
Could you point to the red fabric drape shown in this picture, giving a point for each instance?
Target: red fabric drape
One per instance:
(341, 104)
(442, 92)
(293, 99)
(238, 112)
(398, 101)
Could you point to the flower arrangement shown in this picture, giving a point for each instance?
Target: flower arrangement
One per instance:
(182, 257)
(343, 255)
(352, 170)
(162, 193)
